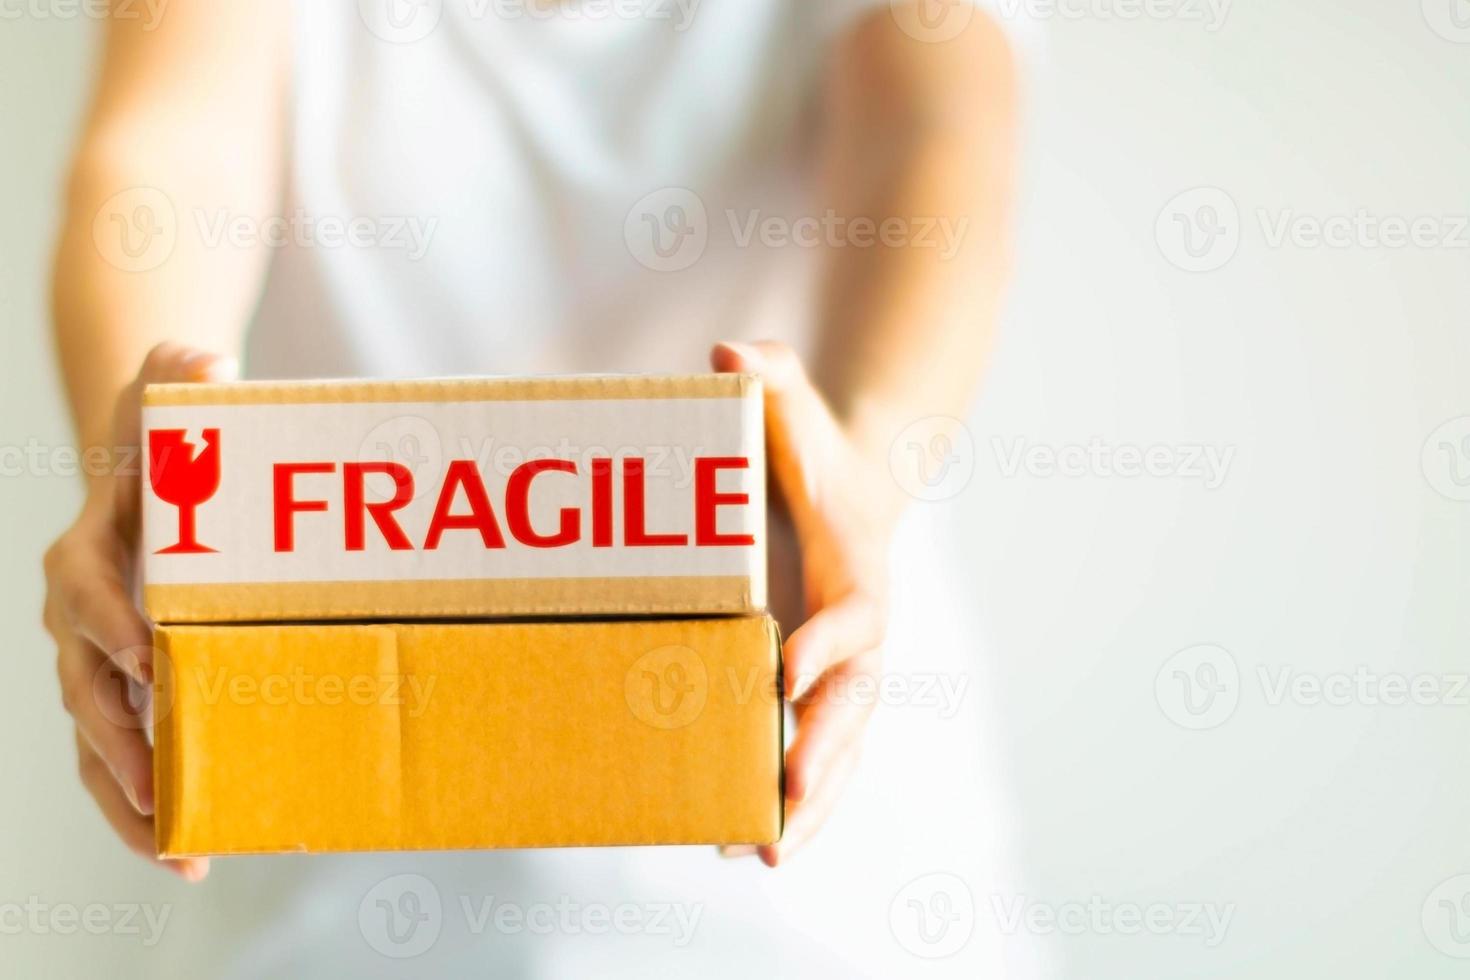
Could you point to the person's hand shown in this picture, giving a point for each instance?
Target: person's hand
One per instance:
(840, 507)
(104, 648)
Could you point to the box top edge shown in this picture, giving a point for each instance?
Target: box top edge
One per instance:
(503, 388)
(759, 620)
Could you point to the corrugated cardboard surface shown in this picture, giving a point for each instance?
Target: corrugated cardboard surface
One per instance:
(276, 602)
(240, 575)
(428, 736)
(585, 387)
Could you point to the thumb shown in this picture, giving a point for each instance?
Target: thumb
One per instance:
(169, 362)
(166, 363)
(803, 436)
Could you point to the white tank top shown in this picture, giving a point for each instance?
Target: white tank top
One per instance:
(544, 187)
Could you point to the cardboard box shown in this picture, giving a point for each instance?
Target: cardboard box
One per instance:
(456, 498)
(441, 736)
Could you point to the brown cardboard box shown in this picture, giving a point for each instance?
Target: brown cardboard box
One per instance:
(455, 498)
(349, 737)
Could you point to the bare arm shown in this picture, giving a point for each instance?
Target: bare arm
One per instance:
(186, 125)
(921, 133)
(186, 122)
(919, 140)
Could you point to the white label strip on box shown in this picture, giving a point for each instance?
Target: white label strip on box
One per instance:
(343, 492)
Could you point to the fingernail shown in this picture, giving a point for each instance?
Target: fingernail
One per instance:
(133, 666)
(737, 850)
(143, 806)
(206, 365)
(748, 353)
(808, 780)
(801, 686)
(223, 369)
(131, 794)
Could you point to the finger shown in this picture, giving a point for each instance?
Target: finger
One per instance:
(100, 611)
(135, 830)
(110, 711)
(831, 719)
(829, 736)
(800, 426)
(166, 362)
(805, 817)
(848, 628)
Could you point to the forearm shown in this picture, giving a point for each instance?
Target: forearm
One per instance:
(921, 136)
(106, 318)
(158, 163)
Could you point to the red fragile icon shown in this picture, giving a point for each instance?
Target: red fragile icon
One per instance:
(184, 479)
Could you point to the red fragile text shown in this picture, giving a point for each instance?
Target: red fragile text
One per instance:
(463, 504)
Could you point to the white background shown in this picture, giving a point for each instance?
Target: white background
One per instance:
(1326, 547)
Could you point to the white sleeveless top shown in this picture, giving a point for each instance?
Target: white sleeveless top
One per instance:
(503, 186)
(541, 190)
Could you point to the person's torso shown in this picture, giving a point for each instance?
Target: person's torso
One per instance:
(505, 186)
